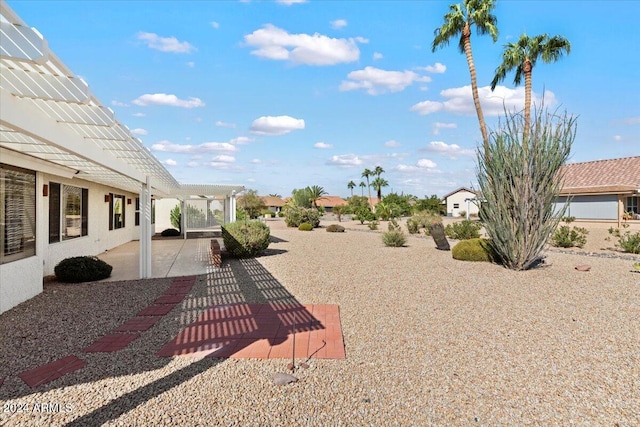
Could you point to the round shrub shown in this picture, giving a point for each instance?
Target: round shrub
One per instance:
(335, 228)
(305, 226)
(82, 269)
(463, 230)
(170, 232)
(296, 215)
(245, 239)
(394, 238)
(473, 250)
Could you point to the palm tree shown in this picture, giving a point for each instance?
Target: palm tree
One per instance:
(377, 185)
(351, 185)
(458, 22)
(378, 171)
(366, 174)
(522, 57)
(275, 195)
(362, 185)
(315, 193)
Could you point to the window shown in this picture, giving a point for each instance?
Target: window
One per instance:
(116, 211)
(68, 212)
(456, 205)
(17, 213)
(153, 211)
(632, 204)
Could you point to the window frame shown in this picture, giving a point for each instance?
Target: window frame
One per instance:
(113, 224)
(27, 245)
(58, 215)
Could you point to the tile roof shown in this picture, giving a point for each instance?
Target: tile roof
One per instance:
(331, 201)
(271, 201)
(602, 176)
(458, 190)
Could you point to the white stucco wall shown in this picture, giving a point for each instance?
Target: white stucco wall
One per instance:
(459, 198)
(163, 212)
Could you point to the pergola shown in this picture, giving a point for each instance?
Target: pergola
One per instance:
(50, 115)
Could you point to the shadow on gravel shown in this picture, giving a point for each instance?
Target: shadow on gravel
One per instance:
(239, 281)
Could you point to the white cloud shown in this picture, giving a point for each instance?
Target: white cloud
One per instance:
(170, 162)
(427, 107)
(617, 137)
(633, 120)
(338, 23)
(377, 55)
(225, 124)
(392, 143)
(376, 81)
(139, 131)
(290, 2)
(422, 165)
(322, 145)
(119, 104)
(205, 147)
(139, 115)
(436, 68)
(241, 140)
(165, 44)
(223, 158)
(426, 163)
(193, 164)
(165, 99)
(191, 64)
(459, 100)
(345, 160)
(276, 125)
(439, 125)
(251, 180)
(215, 24)
(256, 161)
(275, 43)
(452, 151)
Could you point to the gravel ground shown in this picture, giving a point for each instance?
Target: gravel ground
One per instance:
(429, 341)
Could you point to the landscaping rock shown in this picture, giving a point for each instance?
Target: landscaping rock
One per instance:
(583, 267)
(280, 378)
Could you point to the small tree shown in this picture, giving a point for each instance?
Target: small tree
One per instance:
(521, 185)
(252, 204)
(176, 217)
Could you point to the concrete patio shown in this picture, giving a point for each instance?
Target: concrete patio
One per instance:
(169, 258)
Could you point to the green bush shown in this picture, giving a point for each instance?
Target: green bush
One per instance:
(335, 228)
(305, 226)
(170, 232)
(413, 226)
(565, 237)
(422, 220)
(473, 250)
(627, 241)
(373, 225)
(463, 230)
(296, 215)
(245, 239)
(82, 269)
(175, 217)
(280, 214)
(395, 238)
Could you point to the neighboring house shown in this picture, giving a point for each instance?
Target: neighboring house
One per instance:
(461, 200)
(274, 204)
(602, 189)
(329, 202)
(73, 180)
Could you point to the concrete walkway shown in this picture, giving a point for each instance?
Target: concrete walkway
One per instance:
(169, 258)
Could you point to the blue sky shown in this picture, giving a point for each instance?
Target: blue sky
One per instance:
(277, 95)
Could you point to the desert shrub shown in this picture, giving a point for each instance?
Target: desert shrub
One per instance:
(413, 226)
(473, 250)
(565, 237)
(627, 241)
(338, 211)
(463, 230)
(335, 228)
(280, 214)
(170, 232)
(373, 225)
(305, 226)
(82, 269)
(175, 216)
(394, 237)
(519, 182)
(244, 239)
(296, 215)
(462, 213)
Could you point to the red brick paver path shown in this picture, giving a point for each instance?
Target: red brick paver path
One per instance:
(111, 343)
(262, 331)
(52, 371)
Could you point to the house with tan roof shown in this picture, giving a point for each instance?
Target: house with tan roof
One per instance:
(329, 202)
(462, 201)
(602, 189)
(274, 204)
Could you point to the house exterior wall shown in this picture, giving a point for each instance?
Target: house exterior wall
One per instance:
(601, 207)
(458, 199)
(22, 279)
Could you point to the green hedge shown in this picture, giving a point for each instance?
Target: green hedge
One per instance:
(245, 239)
